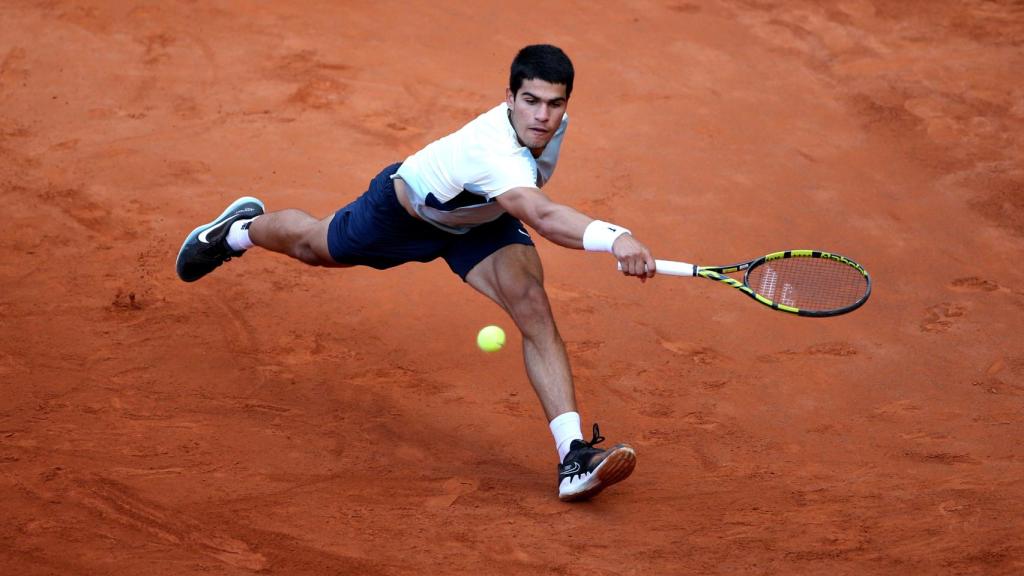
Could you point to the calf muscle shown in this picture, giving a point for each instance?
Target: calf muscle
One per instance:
(294, 233)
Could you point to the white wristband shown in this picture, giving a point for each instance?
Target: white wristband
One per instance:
(599, 236)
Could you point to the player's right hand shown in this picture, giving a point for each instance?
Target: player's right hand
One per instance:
(634, 258)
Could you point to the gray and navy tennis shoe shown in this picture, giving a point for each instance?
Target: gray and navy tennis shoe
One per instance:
(206, 247)
(586, 470)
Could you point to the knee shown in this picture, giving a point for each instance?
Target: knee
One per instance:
(308, 246)
(304, 251)
(304, 255)
(528, 304)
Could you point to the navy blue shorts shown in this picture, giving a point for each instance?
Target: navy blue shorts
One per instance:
(376, 231)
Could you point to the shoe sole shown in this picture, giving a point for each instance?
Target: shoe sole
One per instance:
(616, 467)
(195, 233)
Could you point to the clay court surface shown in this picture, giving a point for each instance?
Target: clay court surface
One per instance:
(280, 419)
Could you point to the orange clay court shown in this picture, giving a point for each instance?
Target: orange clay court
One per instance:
(280, 419)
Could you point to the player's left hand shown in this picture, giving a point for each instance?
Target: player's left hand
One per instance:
(634, 258)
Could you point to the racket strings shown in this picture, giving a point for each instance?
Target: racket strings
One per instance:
(813, 284)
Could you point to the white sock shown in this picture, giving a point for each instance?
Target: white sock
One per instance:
(565, 428)
(238, 235)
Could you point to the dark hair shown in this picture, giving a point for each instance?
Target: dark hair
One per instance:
(541, 62)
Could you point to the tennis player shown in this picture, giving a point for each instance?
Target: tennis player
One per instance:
(464, 198)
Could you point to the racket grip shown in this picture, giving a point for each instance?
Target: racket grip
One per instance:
(672, 268)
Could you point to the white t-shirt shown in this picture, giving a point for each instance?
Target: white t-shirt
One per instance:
(455, 180)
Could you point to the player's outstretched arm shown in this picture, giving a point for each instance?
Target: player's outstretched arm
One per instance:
(568, 227)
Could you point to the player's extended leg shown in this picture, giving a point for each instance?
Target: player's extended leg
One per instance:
(513, 277)
(243, 225)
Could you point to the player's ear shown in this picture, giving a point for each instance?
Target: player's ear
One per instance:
(510, 98)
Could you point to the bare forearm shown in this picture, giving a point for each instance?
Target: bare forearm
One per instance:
(556, 222)
(561, 224)
(568, 227)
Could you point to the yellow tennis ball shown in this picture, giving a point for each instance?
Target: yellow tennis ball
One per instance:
(490, 338)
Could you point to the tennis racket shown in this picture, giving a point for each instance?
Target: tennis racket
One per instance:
(801, 282)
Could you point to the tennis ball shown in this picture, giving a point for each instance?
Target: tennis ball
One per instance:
(490, 338)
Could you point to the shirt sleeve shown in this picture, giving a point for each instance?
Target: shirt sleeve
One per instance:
(503, 173)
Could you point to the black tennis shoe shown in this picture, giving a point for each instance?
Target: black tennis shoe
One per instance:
(206, 247)
(586, 470)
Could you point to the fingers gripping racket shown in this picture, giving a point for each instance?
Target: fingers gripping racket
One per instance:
(802, 282)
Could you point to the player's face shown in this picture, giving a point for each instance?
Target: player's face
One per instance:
(536, 112)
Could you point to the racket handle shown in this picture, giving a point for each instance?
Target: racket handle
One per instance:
(672, 268)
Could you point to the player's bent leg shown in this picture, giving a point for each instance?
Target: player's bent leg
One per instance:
(296, 234)
(513, 277)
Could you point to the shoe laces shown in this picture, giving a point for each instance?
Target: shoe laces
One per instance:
(589, 446)
(582, 450)
(597, 439)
